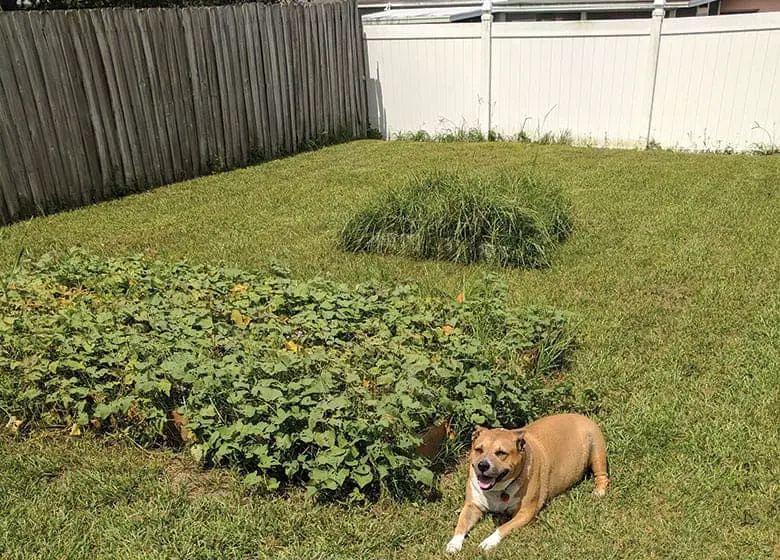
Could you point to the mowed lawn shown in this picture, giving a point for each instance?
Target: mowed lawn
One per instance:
(673, 273)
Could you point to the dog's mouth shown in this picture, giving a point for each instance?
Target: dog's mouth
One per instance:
(487, 482)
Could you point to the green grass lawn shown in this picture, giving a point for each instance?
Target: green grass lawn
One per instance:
(673, 271)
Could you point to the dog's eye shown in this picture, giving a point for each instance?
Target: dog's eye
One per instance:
(500, 453)
(478, 449)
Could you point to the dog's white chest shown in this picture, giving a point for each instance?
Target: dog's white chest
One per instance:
(496, 500)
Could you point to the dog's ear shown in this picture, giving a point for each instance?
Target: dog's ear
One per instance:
(477, 432)
(520, 442)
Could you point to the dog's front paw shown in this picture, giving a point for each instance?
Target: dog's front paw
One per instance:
(455, 544)
(491, 542)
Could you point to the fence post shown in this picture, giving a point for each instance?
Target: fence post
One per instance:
(487, 66)
(656, 24)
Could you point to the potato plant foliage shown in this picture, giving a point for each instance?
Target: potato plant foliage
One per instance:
(294, 382)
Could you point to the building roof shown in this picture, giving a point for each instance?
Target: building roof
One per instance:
(445, 14)
(532, 5)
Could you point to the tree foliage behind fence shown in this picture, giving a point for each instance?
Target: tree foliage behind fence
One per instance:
(95, 104)
(85, 4)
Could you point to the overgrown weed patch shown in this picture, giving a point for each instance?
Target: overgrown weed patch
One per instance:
(501, 219)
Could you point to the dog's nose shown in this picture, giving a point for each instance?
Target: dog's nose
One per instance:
(483, 465)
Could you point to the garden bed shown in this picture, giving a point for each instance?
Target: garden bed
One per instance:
(294, 382)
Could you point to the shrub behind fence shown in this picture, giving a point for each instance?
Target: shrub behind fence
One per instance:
(95, 104)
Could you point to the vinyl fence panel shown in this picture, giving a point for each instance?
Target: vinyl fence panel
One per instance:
(698, 83)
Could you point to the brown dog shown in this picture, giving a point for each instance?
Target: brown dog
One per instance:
(518, 471)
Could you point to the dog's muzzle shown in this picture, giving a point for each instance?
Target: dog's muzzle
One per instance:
(487, 478)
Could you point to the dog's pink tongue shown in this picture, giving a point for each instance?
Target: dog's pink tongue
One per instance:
(485, 484)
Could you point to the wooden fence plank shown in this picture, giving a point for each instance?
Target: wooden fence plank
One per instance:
(228, 90)
(218, 155)
(13, 176)
(237, 62)
(142, 98)
(265, 119)
(144, 22)
(81, 98)
(273, 85)
(334, 64)
(72, 126)
(283, 64)
(181, 86)
(308, 65)
(32, 41)
(114, 105)
(192, 49)
(293, 50)
(299, 58)
(154, 47)
(124, 64)
(30, 91)
(94, 76)
(218, 45)
(323, 55)
(183, 54)
(343, 49)
(251, 39)
(208, 122)
(9, 203)
(171, 92)
(338, 55)
(362, 72)
(351, 71)
(315, 72)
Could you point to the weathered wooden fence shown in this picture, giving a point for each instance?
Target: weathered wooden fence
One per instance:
(95, 104)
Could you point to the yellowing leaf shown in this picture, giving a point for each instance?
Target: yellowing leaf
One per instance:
(461, 297)
(13, 425)
(447, 330)
(180, 422)
(239, 318)
(133, 413)
(75, 430)
(196, 451)
(238, 289)
(291, 346)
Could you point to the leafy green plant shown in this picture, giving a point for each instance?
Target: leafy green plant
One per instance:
(419, 136)
(294, 382)
(563, 138)
(455, 134)
(500, 219)
(464, 134)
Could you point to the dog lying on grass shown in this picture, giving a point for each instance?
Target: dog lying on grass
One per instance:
(518, 471)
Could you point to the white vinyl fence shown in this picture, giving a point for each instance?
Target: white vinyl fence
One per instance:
(699, 83)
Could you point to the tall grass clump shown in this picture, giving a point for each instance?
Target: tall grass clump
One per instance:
(502, 219)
